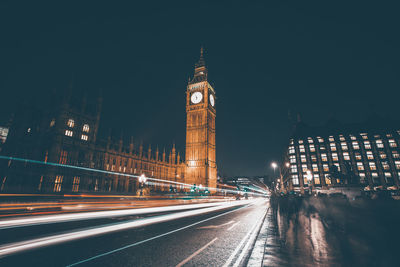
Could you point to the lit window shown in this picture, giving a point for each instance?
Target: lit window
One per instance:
(58, 183)
(379, 143)
(75, 184)
(377, 136)
(322, 147)
(370, 155)
(310, 141)
(295, 179)
(301, 148)
(313, 158)
(84, 137)
(385, 165)
(341, 137)
(304, 167)
(333, 147)
(352, 137)
(71, 123)
(303, 158)
(346, 156)
(291, 150)
(357, 156)
(364, 136)
(312, 148)
(327, 179)
(355, 145)
(292, 158)
(63, 157)
(335, 157)
(389, 135)
(395, 154)
(375, 174)
(331, 139)
(367, 145)
(382, 154)
(392, 143)
(344, 146)
(52, 122)
(86, 128)
(324, 157)
(360, 166)
(325, 167)
(69, 133)
(300, 141)
(315, 168)
(321, 140)
(372, 166)
(338, 166)
(397, 163)
(291, 141)
(316, 179)
(293, 168)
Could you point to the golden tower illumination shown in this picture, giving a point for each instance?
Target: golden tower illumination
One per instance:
(201, 167)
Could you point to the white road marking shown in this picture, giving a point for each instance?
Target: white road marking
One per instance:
(215, 226)
(230, 228)
(235, 252)
(196, 253)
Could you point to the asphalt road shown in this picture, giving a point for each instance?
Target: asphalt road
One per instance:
(221, 237)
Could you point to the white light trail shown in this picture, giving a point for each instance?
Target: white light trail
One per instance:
(47, 219)
(13, 248)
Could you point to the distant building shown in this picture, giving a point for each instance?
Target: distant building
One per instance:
(365, 154)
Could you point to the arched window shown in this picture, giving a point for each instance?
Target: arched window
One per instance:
(71, 123)
(86, 128)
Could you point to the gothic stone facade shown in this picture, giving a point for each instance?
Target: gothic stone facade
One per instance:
(66, 132)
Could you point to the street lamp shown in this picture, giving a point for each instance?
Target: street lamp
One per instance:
(275, 165)
(142, 180)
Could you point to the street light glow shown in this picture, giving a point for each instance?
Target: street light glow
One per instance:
(274, 165)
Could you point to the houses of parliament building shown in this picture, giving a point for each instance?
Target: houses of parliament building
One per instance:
(57, 149)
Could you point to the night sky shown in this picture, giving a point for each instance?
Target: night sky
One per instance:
(338, 59)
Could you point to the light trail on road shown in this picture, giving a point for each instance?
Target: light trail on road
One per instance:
(13, 248)
(35, 220)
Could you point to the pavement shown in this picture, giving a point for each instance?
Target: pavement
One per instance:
(215, 233)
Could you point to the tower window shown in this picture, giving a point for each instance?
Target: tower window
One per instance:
(86, 128)
(69, 133)
(71, 123)
(84, 137)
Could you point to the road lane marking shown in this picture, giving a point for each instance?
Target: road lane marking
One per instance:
(215, 226)
(154, 237)
(196, 253)
(230, 228)
(235, 252)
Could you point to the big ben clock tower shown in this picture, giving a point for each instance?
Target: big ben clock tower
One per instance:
(201, 166)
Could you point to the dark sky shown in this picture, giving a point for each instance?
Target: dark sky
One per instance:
(320, 58)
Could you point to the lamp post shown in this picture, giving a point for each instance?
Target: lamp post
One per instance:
(142, 181)
(275, 165)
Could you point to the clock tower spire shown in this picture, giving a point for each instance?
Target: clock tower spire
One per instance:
(201, 167)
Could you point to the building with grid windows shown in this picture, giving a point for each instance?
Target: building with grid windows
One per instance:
(365, 154)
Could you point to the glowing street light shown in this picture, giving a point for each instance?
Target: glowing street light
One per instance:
(142, 180)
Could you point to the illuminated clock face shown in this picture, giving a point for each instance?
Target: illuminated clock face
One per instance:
(212, 101)
(196, 97)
